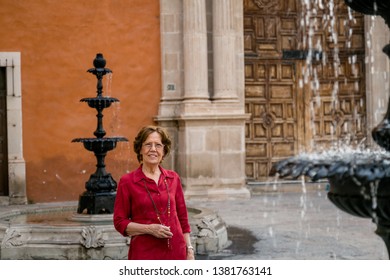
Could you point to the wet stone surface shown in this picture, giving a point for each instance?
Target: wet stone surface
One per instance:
(295, 225)
(242, 242)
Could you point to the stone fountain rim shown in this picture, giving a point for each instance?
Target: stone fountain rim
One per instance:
(98, 240)
(200, 213)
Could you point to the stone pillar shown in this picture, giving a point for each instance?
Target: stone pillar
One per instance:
(208, 131)
(212, 158)
(195, 50)
(224, 50)
(212, 134)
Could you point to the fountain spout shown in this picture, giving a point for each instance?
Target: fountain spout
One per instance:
(99, 71)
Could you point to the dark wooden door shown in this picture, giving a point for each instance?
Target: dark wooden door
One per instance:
(296, 106)
(3, 134)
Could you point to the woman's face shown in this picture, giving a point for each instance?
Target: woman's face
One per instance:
(152, 149)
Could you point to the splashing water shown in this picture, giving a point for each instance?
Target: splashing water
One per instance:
(324, 53)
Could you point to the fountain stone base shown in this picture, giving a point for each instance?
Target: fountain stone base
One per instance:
(54, 231)
(96, 203)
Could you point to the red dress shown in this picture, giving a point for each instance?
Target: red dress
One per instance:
(133, 204)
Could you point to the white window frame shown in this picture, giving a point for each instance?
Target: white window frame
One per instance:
(16, 163)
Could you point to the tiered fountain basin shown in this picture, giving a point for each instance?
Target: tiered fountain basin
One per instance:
(358, 182)
(54, 231)
(99, 102)
(100, 145)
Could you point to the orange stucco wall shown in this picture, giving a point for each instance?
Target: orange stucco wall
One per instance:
(58, 41)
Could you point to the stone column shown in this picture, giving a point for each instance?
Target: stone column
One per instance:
(224, 50)
(208, 131)
(195, 50)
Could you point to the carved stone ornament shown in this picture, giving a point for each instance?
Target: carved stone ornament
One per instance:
(11, 239)
(206, 229)
(266, 3)
(92, 238)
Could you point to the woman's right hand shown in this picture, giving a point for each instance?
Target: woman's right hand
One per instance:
(160, 231)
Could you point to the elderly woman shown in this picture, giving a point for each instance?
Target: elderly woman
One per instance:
(150, 205)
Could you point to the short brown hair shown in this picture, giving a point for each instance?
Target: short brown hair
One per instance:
(144, 133)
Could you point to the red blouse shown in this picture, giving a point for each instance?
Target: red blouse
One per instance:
(133, 204)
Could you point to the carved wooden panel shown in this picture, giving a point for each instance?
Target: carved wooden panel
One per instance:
(296, 106)
(3, 134)
(271, 99)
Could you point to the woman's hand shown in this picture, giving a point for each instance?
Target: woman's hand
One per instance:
(157, 230)
(190, 254)
(160, 231)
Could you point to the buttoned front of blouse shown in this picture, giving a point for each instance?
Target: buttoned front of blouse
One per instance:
(136, 199)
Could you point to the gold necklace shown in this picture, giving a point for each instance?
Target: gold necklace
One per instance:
(168, 209)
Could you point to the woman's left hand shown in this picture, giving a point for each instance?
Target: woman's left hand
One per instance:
(190, 254)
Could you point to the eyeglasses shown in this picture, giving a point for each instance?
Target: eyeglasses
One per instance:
(158, 146)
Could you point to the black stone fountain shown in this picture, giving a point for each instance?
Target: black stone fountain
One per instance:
(100, 191)
(359, 179)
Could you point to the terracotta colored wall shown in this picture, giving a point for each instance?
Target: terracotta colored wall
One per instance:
(58, 41)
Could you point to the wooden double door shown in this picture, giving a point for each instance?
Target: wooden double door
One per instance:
(304, 79)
